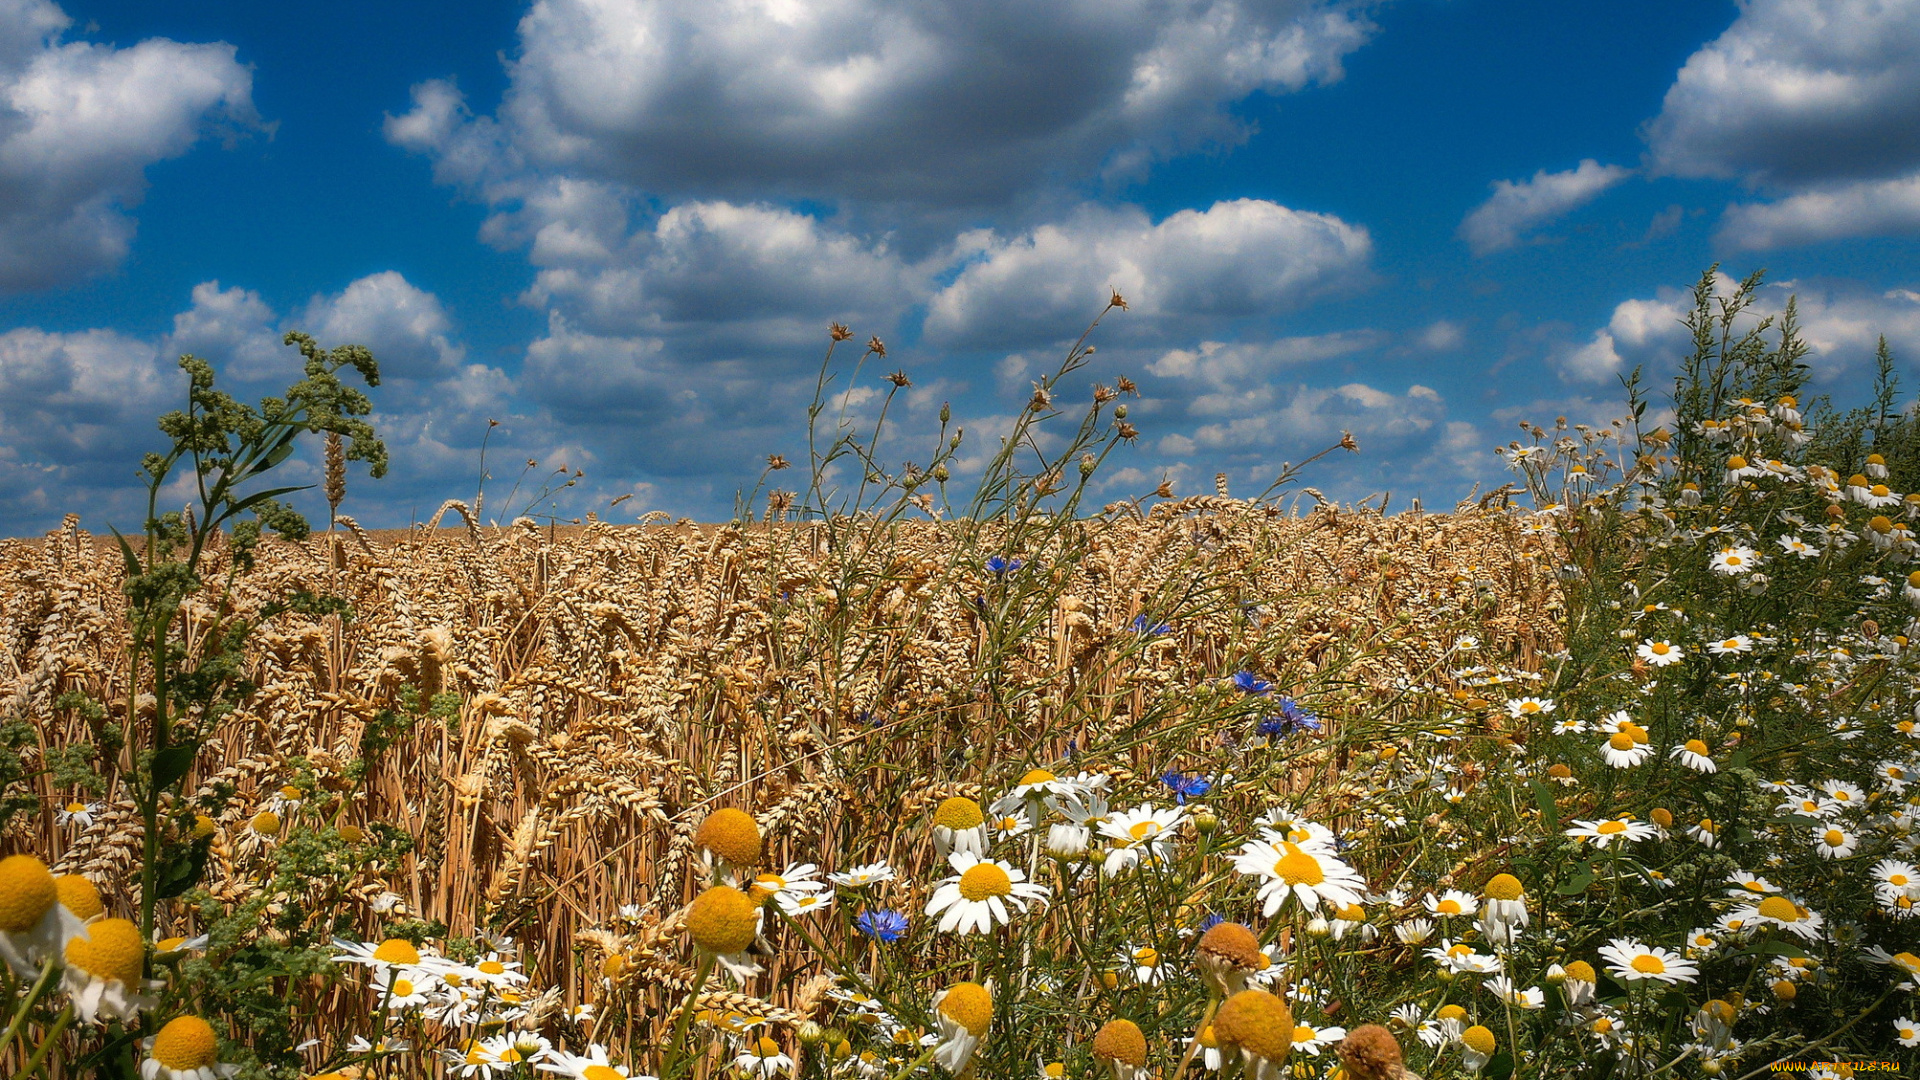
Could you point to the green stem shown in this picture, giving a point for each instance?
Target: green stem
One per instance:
(47, 1041)
(686, 1014)
(915, 1064)
(39, 990)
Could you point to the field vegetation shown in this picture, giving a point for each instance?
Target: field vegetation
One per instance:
(1606, 773)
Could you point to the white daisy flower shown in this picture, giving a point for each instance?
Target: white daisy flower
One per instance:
(979, 896)
(1622, 751)
(1140, 835)
(77, 813)
(1414, 931)
(1605, 832)
(959, 825)
(1793, 545)
(859, 877)
(1310, 1040)
(1695, 755)
(1906, 1032)
(965, 1012)
(764, 1059)
(1660, 653)
(1732, 646)
(1738, 559)
(1781, 912)
(1521, 708)
(1309, 874)
(1461, 959)
(1452, 902)
(593, 1065)
(1631, 961)
(1504, 988)
(1834, 842)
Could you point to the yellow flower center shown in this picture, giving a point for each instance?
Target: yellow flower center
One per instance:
(1695, 746)
(491, 967)
(1351, 913)
(1257, 1022)
(1638, 733)
(1296, 867)
(1036, 776)
(403, 988)
(290, 792)
(169, 944)
(1479, 1038)
(1736, 462)
(76, 807)
(1621, 741)
(1503, 887)
(723, 920)
(112, 950)
(1448, 906)
(1055, 1070)
(27, 892)
(1649, 964)
(398, 952)
(959, 813)
(1580, 970)
(185, 1043)
(78, 895)
(1898, 879)
(266, 823)
(1143, 829)
(1611, 828)
(1660, 648)
(1880, 491)
(983, 880)
(1780, 909)
(1602, 1026)
(1304, 1034)
(969, 1005)
(1121, 1041)
(1146, 957)
(1881, 524)
(732, 835)
(1451, 1012)
(1835, 838)
(601, 1072)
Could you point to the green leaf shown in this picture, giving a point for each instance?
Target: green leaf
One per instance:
(180, 871)
(1549, 813)
(258, 497)
(1776, 948)
(1579, 883)
(126, 552)
(171, 764)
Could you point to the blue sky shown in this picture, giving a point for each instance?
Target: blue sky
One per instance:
(620, 227)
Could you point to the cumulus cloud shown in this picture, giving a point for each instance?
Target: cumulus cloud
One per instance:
(80, 123)
(866, 99)
(722, 273)
(1797, 92)
(1516, 208)
(404, 326)
(1839, 321)
(1234, 377)
(1866, 208)
(1237, 259)
(78, 409)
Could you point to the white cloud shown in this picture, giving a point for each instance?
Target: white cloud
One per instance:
(1233, 378)
(405, 327)
(713, 270)
(80, 123)
(1797, 92)
(872, 100)
(78, 409)
(1442, 335)
(1515, 208)
(1865, 208)
(1248, 257)
(1839, 321)
(233, 330)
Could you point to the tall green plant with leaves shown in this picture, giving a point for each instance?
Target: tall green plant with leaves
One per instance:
(228, 447)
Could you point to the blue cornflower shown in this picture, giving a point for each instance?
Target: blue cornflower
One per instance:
(998, 565)
(1212, 920)
(1292, 718)
(885, 925)
(1073, 747)
(1249, 683)
(1185, 786)
(1141, 625)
